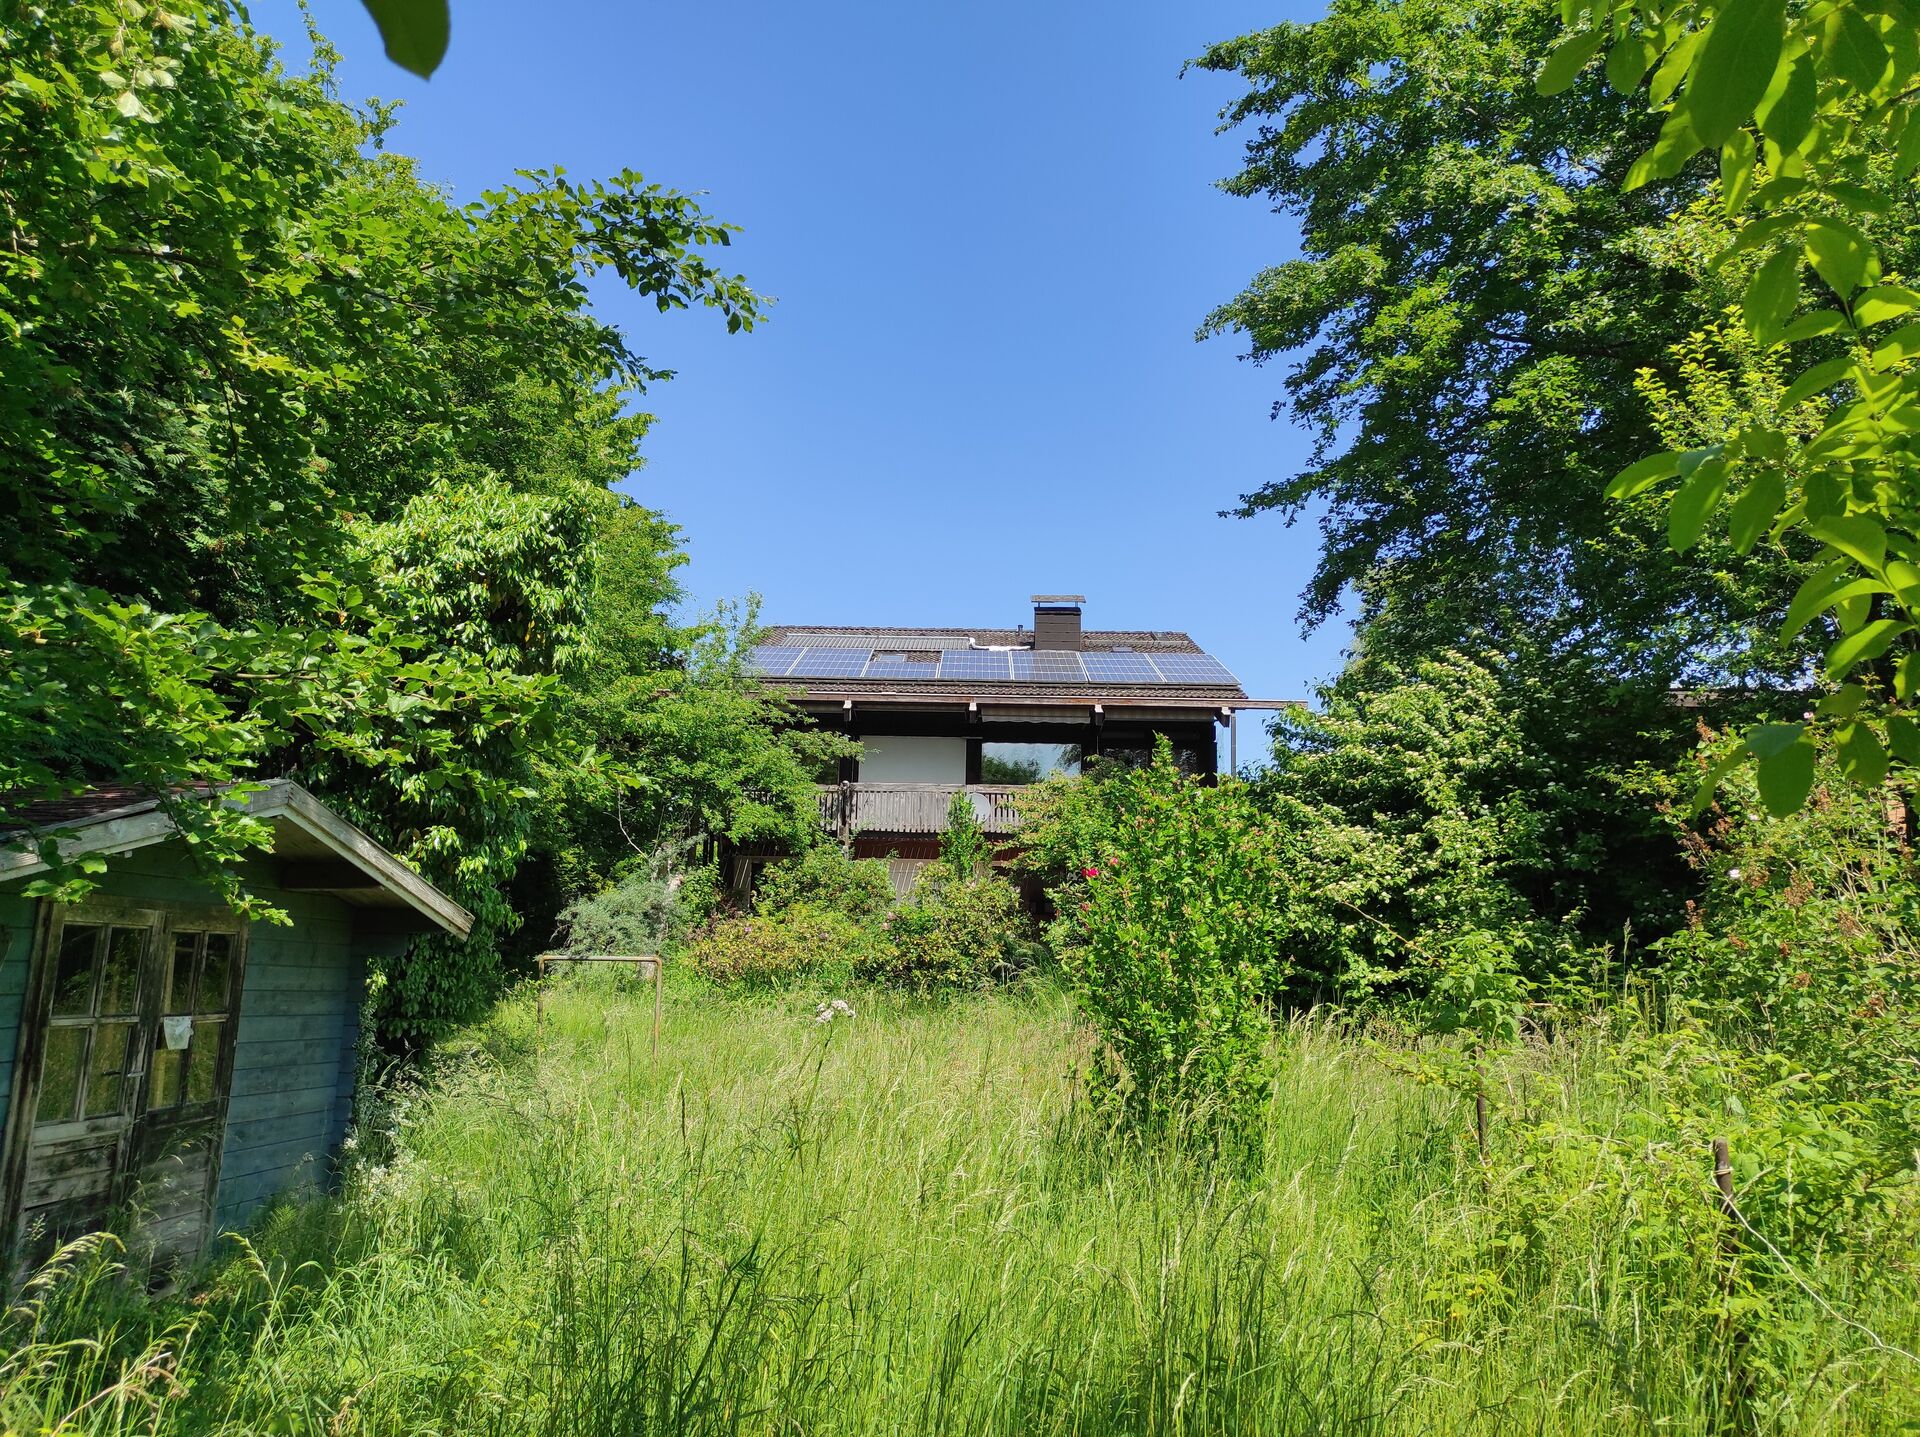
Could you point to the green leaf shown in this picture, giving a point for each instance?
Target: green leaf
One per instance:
(1736, 65)
(1674, 68)
(1843, 702)
(1817, 380)
(1736, 170)
(1628, 62)
(1903, 737)
(414, 32)
(1897, 348)
(1840, 254)
(1862, 759)
(1906, 676)
(1774, 738)
(1753, 511)
(1884, 302)
(1676, 145)
(1812, 326)
(1772, 295)
(1697, 499)
(1716, 772)
(1785, 775)
(1566, 62)
(1860, 538)
(1851, 50)
(1643, 474)
(1864, 645)
(1907, 157)
(1785, 112)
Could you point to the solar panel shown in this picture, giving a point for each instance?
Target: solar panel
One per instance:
(774, 660)
(1192, 669)
(974, 664)
(829, 664)
(1048, 666)
(882, 667)
(1120, 669)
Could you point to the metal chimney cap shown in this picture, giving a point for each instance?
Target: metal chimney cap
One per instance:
(1059, 599)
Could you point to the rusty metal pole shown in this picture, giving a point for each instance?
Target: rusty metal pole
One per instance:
(539, 996)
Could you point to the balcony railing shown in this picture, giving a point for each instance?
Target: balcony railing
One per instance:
(850, 808)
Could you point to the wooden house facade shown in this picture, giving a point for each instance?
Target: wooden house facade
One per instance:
(165, 1065)
(984, 712)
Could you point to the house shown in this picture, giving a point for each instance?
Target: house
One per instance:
(985, 711)
(165, 1059)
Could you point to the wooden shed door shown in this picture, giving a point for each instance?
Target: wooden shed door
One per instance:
(125, 1075)
(176, 1142)
(83, 1056)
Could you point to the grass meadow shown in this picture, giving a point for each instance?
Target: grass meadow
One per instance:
(904, 1221)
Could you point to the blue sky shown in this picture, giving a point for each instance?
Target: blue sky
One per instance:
(990, 229)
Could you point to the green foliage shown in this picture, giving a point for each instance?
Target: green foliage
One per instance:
(802, 946)
(823, 877)
(1811, 111)
(1472, 297)
(305, 464)
(954, 934)
(1188, 921)
(414, 32)
(642, 913)
(963, 846)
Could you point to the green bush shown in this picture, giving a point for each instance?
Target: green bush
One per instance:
(826, 879)
(1188, 921)
(801, 946)
(954, 934)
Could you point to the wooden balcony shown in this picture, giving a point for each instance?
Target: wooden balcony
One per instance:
(850, 808)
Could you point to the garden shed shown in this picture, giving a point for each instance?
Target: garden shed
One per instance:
(163, 1059)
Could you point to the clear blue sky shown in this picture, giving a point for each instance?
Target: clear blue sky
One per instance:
(990, 229)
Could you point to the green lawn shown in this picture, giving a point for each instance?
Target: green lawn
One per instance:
(901, 1222)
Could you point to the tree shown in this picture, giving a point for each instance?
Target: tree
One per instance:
(303, 462)
(1811, 113)
(1474, 297)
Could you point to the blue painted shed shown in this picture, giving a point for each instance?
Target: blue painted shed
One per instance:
(166, 1065)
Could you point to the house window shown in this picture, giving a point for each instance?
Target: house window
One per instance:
(1027, 762)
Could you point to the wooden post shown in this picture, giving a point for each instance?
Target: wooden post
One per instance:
(1723, 1180)
(540, 996)
(1739, 1379)
(656, 1014)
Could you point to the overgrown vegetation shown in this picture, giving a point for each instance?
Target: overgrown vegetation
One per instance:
(907, 1216)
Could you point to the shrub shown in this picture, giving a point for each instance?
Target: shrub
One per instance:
(955, 933)
(801, 945)
(641, 913)
(1187, 923)
(963, 847)
(826, 879)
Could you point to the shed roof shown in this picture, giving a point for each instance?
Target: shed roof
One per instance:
(336, 857)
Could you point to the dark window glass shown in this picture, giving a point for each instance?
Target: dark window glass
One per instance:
(73, 974)
(180, 973)
(60, 1074)
(202, 1057)
(107, 1068)
(1027, 762)
(163, 1089)
(214, 970)
(120, 982)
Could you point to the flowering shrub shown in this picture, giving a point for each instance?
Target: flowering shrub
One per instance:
(955, 933)
(800, 945)
(1187, 922)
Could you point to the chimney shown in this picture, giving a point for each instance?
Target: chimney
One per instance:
(1056, 621)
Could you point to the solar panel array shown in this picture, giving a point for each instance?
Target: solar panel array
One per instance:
(1045, 666)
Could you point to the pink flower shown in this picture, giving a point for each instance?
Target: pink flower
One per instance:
(1089, 873)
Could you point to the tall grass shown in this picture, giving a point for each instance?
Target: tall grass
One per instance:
(902, 1223)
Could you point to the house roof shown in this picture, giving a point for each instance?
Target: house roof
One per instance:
(993, 664)
(332, 855)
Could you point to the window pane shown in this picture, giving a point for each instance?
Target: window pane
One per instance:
(214, 971)
(60, 1075)
(120, 983)
(180, 974)
(73, 973)
(1027, 762)
(105, 1070)
(202, 1057)
(163, 1089)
